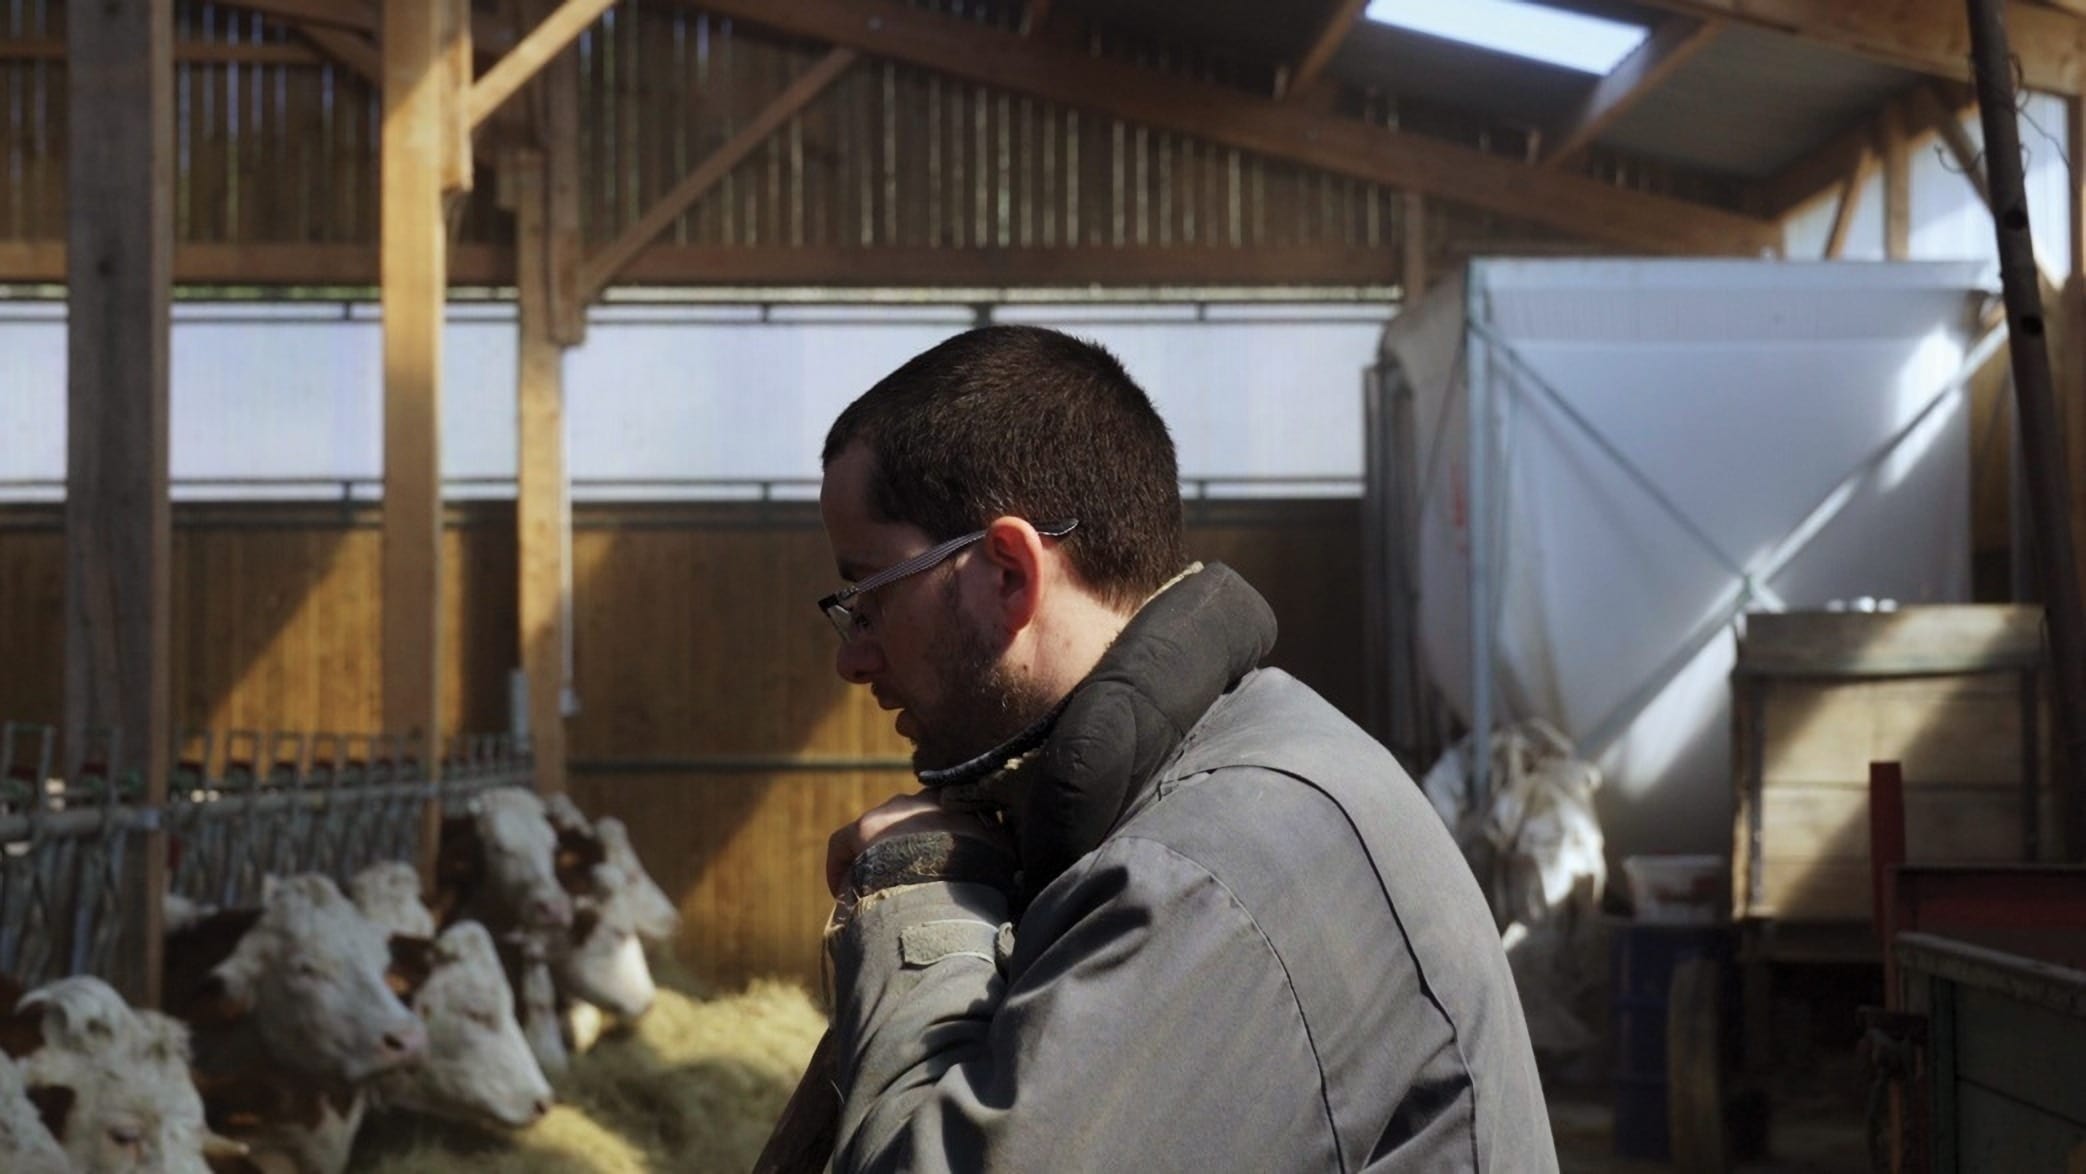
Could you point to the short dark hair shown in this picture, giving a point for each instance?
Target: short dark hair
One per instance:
(1033, 423)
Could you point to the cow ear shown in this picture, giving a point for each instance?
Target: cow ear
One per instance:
(53, 1104)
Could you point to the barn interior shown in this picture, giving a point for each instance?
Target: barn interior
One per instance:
(407, 400)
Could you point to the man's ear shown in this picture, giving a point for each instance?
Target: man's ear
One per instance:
(1015, 551)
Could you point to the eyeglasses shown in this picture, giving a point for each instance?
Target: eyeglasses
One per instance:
(844, 618)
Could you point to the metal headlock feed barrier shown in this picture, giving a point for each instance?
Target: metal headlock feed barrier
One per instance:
(240, 807)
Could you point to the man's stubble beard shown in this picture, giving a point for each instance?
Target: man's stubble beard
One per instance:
(983, 703)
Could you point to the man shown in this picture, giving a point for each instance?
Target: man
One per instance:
(1156, 909)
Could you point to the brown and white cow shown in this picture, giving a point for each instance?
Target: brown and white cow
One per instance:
(292, 1014)
(582, 843)
(478, 1069)
(653, 914)
(497, 865)
(110, 1084)
(595, 957)
(473, 1004)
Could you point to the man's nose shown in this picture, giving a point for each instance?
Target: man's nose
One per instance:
(857, 660)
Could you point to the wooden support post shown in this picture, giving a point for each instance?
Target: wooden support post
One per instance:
(119, 279)
(543, 506)
(1415, 230)
(560, 137)
(414, 261)
(1850, 199)
(1896, 148)
(2042, 443)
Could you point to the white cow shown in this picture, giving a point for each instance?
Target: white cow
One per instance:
(25, 1144)
(388, 893)
(601, 958)
(652, 912)
(293, 1013)
(497, 866)
(478, 1068)
(112, 1084)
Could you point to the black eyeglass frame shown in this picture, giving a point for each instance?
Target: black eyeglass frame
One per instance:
(842, 617)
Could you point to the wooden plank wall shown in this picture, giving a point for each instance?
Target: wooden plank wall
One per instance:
(704, 673)
(276, 145)
(276, 618)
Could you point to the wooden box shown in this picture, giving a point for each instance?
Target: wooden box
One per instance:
(1953, 692)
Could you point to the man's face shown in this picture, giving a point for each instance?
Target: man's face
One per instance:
(922, 652)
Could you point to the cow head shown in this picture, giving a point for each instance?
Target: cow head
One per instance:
(478, 1067)
(652, 913)
(518, 850)
(311, 973)
(388, 893)
(112, 1084)
(600, 958)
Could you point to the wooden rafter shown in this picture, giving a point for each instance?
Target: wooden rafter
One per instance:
(356, 265)
(1670, 46)
(602, 267)
(488, 34)
(1819, 173)
(1929, 36)
(353, 50)
(1338, 23)
(1328, 142)
(543, 42)
(1933, 112)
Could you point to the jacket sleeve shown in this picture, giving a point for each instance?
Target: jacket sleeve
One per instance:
(1142, 1022)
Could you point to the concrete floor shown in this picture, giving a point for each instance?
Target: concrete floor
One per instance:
(1816, 1126)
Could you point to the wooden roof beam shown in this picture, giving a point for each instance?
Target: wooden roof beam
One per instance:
(1585, 207)
(1927, 36)
(353, 50)
(601, 268)
(1338, 23)
(1813, 176)
(488, 33)
(549, 38)
(1671, 45)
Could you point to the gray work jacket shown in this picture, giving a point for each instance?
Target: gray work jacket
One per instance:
(1276, 960)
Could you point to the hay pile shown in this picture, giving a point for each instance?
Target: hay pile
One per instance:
(694, 1086)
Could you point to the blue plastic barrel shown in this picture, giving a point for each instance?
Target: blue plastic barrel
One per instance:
(1644, 959)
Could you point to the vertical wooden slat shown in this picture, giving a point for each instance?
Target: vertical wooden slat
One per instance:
(120, 250)
(414, 254)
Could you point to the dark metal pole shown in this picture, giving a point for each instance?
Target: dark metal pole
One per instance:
(2042, 448)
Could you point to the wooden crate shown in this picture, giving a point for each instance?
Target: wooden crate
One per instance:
(1952, 692)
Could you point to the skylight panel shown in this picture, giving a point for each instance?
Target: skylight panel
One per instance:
(1573, 40)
